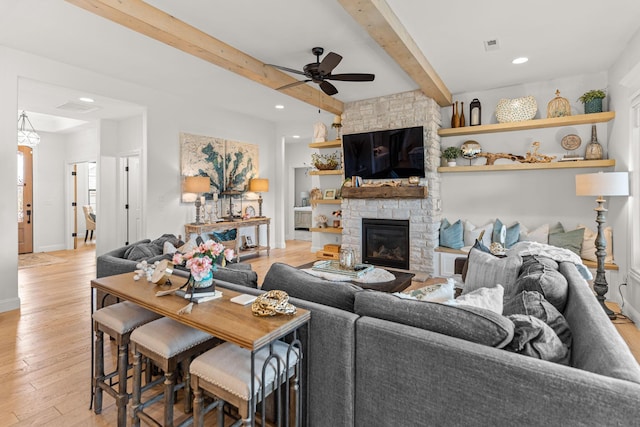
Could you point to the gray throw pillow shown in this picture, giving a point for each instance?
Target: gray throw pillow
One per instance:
(469, 323)
(537, 275)
(143, 251)
(299, 284)
(532, 303)
(532, 337)
(571, 240)
(486, 271)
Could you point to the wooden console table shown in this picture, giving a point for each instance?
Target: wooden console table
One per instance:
(237, 225)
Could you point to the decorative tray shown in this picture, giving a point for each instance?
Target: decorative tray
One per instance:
(332, 266)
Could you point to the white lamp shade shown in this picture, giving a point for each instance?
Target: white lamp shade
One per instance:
(603, 184)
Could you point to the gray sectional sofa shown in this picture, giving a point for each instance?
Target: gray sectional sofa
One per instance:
(377, 360)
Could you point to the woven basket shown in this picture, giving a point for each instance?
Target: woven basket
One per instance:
(326, 165)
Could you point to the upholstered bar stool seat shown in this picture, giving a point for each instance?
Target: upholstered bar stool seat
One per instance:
(167, 343)
(118, 321)
(225, 373)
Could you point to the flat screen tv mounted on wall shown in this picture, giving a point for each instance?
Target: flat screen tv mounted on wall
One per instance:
(385, 154)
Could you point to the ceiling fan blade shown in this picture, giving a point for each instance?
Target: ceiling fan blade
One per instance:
(328, 88)
(352, 77)
(329, 63)
(293, 84)
(289, 70)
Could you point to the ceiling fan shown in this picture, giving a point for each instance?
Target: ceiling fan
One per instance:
(320, 71)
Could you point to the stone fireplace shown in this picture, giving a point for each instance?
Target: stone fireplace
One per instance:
(385, 242)
(422, 213)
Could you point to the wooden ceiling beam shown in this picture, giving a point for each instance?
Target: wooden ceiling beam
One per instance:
(157, 24)
(385, 28)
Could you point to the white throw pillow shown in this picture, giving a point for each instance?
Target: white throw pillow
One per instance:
(488, 298)
(188, 246)
(588, 251)
(540, 234)
(471, 233)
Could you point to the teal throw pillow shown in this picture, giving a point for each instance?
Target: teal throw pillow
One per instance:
(451, 235)
(512, 236)
(571, 240)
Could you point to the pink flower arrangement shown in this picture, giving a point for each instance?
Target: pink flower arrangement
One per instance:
(203, 259)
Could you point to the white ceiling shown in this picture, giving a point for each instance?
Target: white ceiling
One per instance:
(561, 38)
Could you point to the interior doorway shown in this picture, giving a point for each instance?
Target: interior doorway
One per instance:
(83, 192)
(25, 199)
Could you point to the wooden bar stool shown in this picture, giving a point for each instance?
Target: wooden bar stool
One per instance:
(225, 372)
(118, 321)
(168, 344)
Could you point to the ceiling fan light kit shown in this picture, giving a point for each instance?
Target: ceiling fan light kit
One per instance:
(320, 71)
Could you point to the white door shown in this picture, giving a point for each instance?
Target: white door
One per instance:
(129, 199)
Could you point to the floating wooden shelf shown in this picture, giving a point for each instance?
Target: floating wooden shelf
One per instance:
(528, 166)
(580, 119)
(384, 192)
(327, 144)
(326, 202)
(335, 230)
(325, 172)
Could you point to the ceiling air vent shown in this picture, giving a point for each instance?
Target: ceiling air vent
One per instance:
(76, 107)
(490, 45)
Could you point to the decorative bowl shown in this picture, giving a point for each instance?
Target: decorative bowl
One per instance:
(516, 110)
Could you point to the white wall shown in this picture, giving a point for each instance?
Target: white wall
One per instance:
(166, 116)
(624, 78)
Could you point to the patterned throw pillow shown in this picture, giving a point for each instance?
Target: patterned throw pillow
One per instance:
(486, 271)
(451, 234)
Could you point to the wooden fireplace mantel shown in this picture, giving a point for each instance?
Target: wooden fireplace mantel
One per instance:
(384, 192)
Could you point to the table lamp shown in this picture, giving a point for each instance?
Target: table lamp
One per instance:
(602, 184)
(259, 185)
(198, 185)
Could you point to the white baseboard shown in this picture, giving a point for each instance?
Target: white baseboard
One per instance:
(9, 304)
(631, 313)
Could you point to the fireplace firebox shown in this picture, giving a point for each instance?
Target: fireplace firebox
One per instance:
(385, 242)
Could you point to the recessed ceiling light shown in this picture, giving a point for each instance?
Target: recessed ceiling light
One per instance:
(279, 107)
(520, 60)
(86, 99)
(296, 136)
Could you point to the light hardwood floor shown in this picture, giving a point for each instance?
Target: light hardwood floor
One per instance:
(46, 345)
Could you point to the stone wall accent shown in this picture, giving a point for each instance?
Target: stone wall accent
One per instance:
(392, 112)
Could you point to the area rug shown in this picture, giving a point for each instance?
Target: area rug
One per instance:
(38, 260)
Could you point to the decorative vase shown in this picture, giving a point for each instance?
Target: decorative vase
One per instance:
(594, 149)
(593, 106)
(451, 163)
(204, 283)
(455, 118)
(462, 123)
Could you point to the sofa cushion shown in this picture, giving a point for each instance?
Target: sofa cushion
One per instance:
(532, 303)
(302, 285)
(465, 322)
(167, 238)
(143, 251)
(538, 274)
(486, 271)
(232, 273)
(451, 235)
(534, 338)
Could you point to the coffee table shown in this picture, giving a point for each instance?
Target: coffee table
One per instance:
(401, 282)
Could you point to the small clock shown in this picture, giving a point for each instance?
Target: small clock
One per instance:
(250, 211)
(571, 142)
